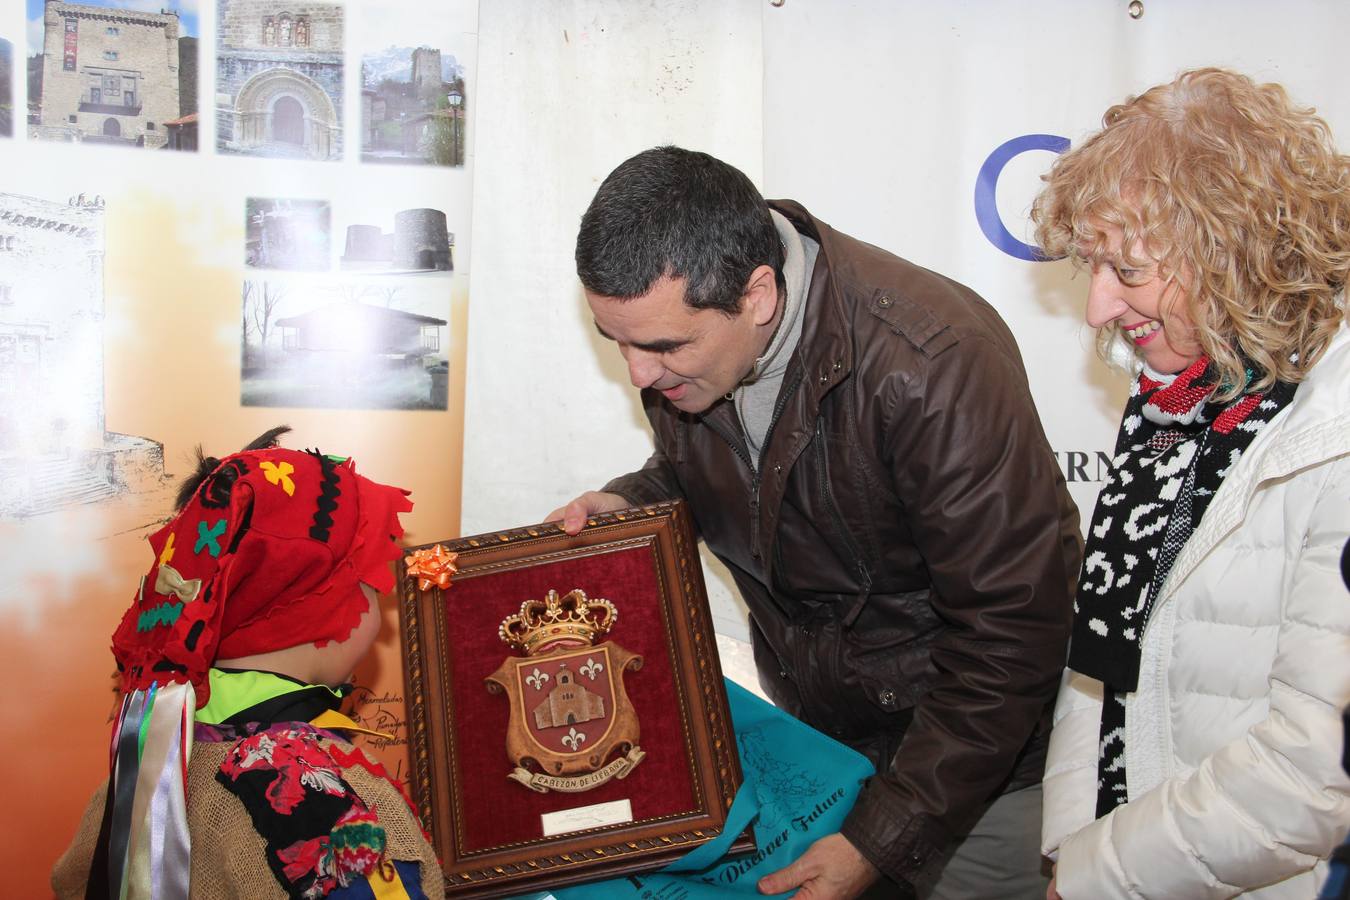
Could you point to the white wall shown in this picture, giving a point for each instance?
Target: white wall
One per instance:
(567, 91)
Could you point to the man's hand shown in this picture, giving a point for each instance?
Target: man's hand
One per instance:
(1051, 893)
(574, 514)
(830, 869)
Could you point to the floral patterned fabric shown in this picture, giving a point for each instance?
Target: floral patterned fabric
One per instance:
(320, 835)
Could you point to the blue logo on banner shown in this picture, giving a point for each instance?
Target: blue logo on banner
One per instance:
(986, 189)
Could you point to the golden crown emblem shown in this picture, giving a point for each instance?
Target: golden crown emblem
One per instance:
(570, 620)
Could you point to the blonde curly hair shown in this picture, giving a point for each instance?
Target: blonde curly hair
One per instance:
(1240, 198)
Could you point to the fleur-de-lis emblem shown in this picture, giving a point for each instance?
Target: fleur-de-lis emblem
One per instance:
(592, 668)
(537, 679)
(279, 473)
(574, 739)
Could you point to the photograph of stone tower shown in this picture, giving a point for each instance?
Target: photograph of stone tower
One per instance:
(108, 74)
(413, 107)
(282, 233)
(279, 79)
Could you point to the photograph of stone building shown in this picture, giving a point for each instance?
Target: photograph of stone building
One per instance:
(6, 88)
(413, 107)
(108, 74)
(287, 234)
(419, 243)
(55, 451)
(182, 131)
(279, 79)
(344, 345)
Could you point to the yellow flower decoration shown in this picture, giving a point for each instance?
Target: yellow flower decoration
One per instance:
(280, 473)
(166, 555)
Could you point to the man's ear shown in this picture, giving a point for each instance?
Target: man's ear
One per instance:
(761, 295)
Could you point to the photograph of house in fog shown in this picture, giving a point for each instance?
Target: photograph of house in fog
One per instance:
(344, 345)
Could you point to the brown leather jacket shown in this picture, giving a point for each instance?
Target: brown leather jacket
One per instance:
(907, 549)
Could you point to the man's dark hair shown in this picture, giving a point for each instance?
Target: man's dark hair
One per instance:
(682, 214)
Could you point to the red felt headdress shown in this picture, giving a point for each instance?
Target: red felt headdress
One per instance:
(268, 550)
(269, 553)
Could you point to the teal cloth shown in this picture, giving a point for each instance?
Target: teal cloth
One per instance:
(799, 785)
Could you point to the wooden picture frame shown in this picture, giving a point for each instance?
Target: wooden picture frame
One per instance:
(489, 827)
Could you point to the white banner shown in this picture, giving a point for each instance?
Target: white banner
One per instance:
(924, 128)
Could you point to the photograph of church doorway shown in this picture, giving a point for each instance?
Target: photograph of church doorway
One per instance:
(282, 113)
(279, 74)
(288, 121)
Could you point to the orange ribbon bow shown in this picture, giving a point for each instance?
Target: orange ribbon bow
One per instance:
(432, 567)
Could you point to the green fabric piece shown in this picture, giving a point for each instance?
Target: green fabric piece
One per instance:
(233, 692)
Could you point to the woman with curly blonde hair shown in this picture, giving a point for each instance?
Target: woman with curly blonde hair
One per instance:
(1197, 741)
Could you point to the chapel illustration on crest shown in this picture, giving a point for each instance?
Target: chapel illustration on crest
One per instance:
(568, 703)
(572, 725)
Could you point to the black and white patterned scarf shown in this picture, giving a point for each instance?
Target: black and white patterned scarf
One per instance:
(1172, 453)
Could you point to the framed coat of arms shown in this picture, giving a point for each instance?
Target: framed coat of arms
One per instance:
(567, 719)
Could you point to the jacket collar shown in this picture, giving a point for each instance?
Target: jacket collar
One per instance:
(824, 354)
(823, 359)
(1314, 428)
(825, 351)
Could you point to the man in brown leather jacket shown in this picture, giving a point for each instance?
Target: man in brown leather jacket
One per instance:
(857, 442)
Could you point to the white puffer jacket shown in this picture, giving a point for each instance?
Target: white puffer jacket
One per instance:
(1234, 736)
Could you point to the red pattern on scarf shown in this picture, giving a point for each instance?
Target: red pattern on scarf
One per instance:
(1186, 391)
(1236, 414)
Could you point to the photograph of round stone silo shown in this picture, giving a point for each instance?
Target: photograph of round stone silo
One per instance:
(420, 243)
(102, 73)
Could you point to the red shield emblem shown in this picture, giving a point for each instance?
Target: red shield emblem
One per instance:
(572, 725)
(567, 700)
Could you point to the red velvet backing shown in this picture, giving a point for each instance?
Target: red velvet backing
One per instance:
(499, 811)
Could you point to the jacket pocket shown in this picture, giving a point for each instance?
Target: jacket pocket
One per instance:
(854, 686)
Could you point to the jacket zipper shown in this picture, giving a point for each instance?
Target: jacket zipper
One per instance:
(783, 397)
(845, 534)
(739, 448)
